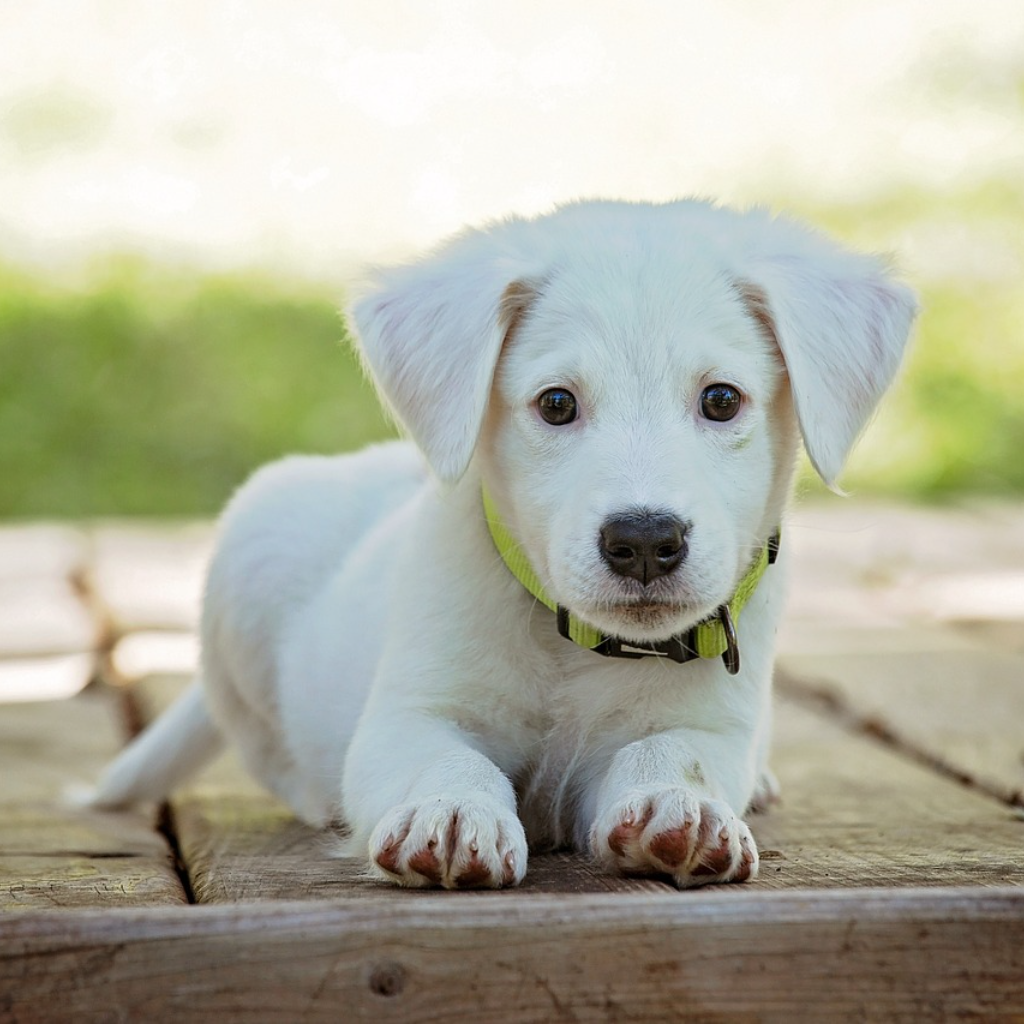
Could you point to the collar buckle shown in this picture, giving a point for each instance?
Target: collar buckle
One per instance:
(680, 649)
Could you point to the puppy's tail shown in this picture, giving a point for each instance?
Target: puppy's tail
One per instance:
(174, 747)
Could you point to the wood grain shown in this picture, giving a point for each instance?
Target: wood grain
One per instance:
(961, 705)
(879, 955)
(45, 746)
(854, 814)
(61, 877)
(912, 621)
(254, 850)
(54, 854)
(857, 813)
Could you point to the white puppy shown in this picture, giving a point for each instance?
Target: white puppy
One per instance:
(625, 386)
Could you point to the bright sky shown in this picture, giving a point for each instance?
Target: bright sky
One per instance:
(316, 134)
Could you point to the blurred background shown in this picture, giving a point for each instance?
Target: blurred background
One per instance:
(186, 188)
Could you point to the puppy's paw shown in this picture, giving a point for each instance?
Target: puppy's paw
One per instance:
(673, 832)
(456, 844)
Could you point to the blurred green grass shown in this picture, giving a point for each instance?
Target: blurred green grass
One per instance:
(953, 425)
(147, 390)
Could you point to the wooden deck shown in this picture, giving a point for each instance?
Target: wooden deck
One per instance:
(892, 874)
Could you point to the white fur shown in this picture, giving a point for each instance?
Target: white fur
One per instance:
(377, 664)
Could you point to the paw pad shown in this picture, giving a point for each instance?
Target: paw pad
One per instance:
(693, 841)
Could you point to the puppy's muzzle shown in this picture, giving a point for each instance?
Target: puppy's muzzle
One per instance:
(643, 545)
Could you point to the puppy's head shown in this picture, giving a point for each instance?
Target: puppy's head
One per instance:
(632, 381)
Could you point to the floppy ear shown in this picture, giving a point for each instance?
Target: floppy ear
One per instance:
(430, 337)
(841, 324)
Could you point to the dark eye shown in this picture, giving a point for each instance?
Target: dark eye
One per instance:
(720, 402)
(557, 406)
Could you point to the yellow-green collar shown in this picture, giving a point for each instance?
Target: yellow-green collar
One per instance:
(713, 638)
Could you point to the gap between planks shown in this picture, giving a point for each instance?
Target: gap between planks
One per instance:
(824, 699)
(135, 720)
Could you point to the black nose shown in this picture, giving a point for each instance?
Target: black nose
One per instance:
(644, 545)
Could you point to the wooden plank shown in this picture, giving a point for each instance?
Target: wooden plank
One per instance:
(878, 955)
(41, 612)
(151, 577)
(911, 621)
(47, 631)
(867, 542)
(56, 855)
(957, 703)
(46, 746)
(47, 550)
(856, 813)
(853, 814)
(44, 615)
(876, 566)
(858, 562)
(60, 877)
(1006, 635)
(253, 850)
(49, 677)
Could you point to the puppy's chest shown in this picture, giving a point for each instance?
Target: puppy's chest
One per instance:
(566, 722)
(566, 705)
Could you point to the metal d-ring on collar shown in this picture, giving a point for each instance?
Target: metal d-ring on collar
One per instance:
(731, 655)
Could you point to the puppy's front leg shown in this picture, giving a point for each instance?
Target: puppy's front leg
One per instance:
(661, 810)
(437, 811)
